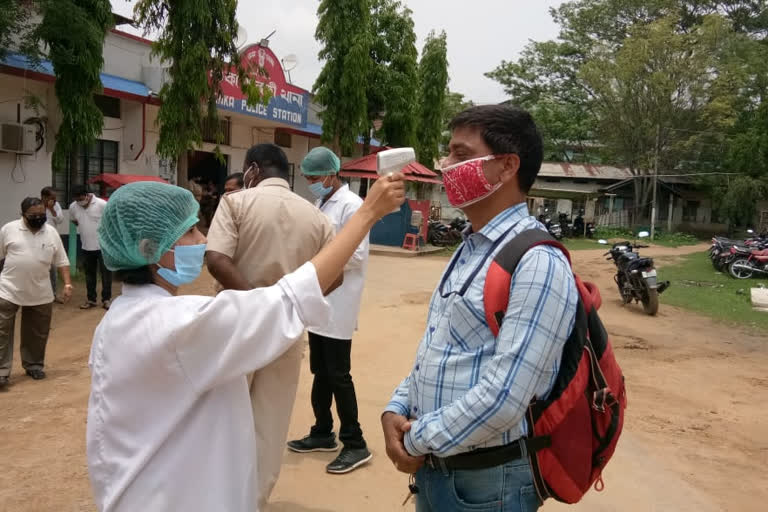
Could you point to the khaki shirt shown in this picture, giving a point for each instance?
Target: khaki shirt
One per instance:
(25, 280)
(268, 231)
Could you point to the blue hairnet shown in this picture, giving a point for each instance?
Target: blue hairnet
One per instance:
(142, 221)
(320, 162)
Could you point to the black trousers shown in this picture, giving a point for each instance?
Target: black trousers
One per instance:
(329, 361)
(93, 263)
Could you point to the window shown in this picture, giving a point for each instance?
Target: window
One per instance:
(283, 139)
(691, 211)
(208, 130)
(101, 157)
(110, 107)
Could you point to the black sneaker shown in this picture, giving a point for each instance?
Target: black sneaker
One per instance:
(348, 460)
(36, 374)
(314, 444)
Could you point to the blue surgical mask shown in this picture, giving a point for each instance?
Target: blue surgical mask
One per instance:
(319, 190)
(188, 260)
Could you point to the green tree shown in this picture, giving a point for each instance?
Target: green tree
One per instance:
(198, 40)
(391, 86)
(14, 25)
(344, 30)
(43, 30)
(77, 60)
(455, 103)
(433, 84)
(740, 200)
(631, 75)
(653, 92)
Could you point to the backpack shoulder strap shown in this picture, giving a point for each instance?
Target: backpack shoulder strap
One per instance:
(499, 277)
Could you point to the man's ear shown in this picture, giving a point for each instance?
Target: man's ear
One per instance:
(511, 165)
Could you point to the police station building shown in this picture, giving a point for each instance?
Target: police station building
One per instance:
(29, 120)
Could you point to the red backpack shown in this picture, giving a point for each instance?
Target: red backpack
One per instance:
(573, 433)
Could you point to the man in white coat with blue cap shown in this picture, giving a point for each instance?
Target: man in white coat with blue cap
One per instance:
(330, 345)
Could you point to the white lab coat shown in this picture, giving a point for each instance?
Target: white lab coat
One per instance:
(345, 300)
(170, 425)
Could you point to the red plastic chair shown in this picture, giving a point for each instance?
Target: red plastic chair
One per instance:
(411, 242)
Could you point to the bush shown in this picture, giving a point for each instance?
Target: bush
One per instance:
(609, 232)
(661, 238)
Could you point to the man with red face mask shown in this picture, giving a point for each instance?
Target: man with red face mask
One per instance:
(457, 421)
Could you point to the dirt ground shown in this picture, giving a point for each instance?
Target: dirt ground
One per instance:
(695, 434)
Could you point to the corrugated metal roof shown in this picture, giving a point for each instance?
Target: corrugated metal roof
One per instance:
(583, 171)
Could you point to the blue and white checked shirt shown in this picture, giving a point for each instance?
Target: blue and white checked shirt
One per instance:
(467, 389)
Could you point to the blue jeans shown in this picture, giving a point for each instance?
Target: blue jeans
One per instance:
(506, 488)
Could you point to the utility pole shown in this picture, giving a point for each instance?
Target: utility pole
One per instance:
(655, 177)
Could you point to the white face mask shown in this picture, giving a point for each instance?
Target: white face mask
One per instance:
(85, 202)
(251, 175)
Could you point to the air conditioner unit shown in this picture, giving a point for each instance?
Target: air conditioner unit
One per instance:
(17, 138)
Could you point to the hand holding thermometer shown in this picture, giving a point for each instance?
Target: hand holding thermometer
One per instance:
(394, 160)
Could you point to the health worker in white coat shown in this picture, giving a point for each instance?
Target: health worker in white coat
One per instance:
(170, 425)
(330, 344)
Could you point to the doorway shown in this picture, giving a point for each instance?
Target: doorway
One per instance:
(206, 174)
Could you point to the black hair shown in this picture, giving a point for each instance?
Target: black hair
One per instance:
(28, 203)
(507, 130)
(136, 276)
(79, 190)
(236, 176)
(271, 161)
(47, 192)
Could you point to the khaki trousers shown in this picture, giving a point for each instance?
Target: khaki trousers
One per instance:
(35, 325)
(273, 392)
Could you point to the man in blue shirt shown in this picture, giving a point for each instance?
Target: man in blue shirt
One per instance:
(457, 419)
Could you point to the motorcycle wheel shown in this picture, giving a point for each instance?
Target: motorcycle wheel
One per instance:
(651, 302)
(740, 268)
(716, 264)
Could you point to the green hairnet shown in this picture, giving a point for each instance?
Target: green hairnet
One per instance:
(320, 162)
(142, 221)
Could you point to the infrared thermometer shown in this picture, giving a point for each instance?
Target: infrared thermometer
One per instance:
(394, 160)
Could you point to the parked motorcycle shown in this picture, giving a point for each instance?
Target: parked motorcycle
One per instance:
(636, 277)
(578, 224)
(746, 263)
(459, 224)
(566, 225)
(724, 251)
(554, 228)
(442, 235)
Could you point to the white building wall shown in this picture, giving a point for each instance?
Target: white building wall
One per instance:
(21, 176)
(124, 57)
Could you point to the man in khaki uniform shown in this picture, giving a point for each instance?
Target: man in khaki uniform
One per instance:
(257, 236)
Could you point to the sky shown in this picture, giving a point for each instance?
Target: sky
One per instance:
(481, 33)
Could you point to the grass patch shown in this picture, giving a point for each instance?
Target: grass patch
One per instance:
(662, 238)
(581, 244)
(698, 287)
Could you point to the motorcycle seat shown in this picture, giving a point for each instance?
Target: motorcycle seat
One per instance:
(641, 263)
(629, 256)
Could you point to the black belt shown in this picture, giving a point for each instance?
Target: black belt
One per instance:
(485, 458)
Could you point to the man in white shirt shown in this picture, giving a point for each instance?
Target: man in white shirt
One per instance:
(330, 345)
(86, 212)
(30, 247)
(54, 218)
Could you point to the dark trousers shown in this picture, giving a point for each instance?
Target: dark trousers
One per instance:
(93, 263)
(35, 325)
(329, 360)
